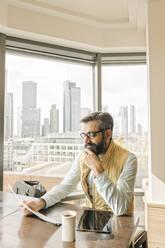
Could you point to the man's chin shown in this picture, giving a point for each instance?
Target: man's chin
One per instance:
(91, 147)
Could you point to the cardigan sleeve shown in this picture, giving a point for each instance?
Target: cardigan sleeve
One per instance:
(59, 192)
(118, 196)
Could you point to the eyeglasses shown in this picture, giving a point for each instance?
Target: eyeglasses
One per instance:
(90, 135)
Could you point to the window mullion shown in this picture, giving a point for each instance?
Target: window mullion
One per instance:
(97, 84)
(2, 99)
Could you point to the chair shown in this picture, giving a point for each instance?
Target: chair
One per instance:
(140, 238)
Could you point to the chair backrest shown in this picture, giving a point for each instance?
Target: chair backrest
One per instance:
(140, 239)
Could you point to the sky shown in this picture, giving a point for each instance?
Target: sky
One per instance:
(122, 85)
(126, 85)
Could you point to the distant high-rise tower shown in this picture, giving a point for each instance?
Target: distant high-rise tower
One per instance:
(19, 121)
(124, 119)
(8, 125)
(30, 112)
(54, 119)
(9, 116)
(71, 107)
(85, 112)
(132, 119)
(117, 130)
(45, 127)
(29, 95)
(105, 108)
(139, 129)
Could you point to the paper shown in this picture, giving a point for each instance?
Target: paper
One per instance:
(39, 215)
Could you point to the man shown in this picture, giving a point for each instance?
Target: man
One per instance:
(107, 171)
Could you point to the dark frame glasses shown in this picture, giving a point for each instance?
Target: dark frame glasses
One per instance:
(90, 135)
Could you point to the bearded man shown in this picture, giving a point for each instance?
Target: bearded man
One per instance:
(107, 171)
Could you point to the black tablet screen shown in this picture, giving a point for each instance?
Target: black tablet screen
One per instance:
(96, 221)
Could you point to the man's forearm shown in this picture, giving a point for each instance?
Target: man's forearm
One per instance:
(116, 199)
(60, 191)
(42, 203)
(118, 196)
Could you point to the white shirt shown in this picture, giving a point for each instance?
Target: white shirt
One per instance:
(117, 197)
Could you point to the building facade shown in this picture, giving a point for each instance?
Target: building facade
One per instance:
(54, 119)
(30, 112)
(71, 107)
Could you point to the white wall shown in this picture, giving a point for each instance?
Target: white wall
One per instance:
(156, 69)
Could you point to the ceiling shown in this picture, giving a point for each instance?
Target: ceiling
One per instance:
(103, 11)
(100, 13)
(93, 25)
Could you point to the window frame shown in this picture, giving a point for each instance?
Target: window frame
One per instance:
(51, 51)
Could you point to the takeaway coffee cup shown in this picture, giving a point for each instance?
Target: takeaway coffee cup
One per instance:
(68, 225)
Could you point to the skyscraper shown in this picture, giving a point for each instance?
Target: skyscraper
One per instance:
(117, 130)
(139, 129)
(84, 112)
(8, 124)
(8, 116)
(105, 108)
(30, 112)
(123, 112)
(54, 119)
(71, 107)
(29, 95)
(45, 127)
(132, 119)
(19, 121)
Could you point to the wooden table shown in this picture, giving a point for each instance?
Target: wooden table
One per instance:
(30, 232)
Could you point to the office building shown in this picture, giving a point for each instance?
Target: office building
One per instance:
(54, 119)
(132, 119)
(71, 107)
(117, 130)
(9, 116)
(123, 113)
(29, 95)
(30, 112)
(8, 123)
(45, 127)
(105, 108)
(19, 122)
(85, 111)
(139, 129)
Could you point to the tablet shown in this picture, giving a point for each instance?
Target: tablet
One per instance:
(95, 221)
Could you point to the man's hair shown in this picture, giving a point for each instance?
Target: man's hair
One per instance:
(105, 120)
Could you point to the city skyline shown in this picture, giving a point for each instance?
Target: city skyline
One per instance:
(124, 121)
(122, 112)
(50, 76)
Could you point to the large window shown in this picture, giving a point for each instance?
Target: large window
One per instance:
(48, 89)
(45, 100)
(125, 97)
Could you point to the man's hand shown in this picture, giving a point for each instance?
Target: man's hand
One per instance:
(92, 161)
(35, 205)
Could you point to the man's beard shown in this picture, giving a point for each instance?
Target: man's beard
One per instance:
(99, 148)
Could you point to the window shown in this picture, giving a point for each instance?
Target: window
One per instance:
(125, 97)
(45, 100)
(49, 89)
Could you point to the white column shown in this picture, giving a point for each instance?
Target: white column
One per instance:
(156, 73)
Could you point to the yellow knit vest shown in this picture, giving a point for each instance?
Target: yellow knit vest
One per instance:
(113, 163)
